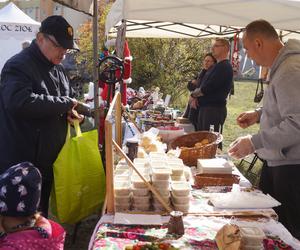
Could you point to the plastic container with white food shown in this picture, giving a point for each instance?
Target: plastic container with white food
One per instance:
(214, 166)
(140, 191)
(161, 174)
(120, 172)
(161, 184)
(158, 207)
(180, 199)
(175, 160)
(141, 199)
(252, 235)
(178, 178)
(253, 247)
(182, 207)
(157, 203)
(141, 207)
(157, 155)
(122, 178)
(163, 192)
(176, 169)
(181, 188)
(187, 172)
(166, 198)
(137, 182)
(142, 170)
(122, 199)
(121, 188)
(122, 207)
(141, 160)
(158, 164)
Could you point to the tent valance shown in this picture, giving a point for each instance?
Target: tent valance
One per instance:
(197, 18)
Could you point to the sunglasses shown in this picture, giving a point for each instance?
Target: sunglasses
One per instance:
(54, 43)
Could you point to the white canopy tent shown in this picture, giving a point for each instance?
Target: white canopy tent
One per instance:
(198, 18)
(15, 28)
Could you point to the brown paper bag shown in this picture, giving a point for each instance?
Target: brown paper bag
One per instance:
(229, 238)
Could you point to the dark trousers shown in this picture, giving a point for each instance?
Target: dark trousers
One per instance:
(211, 116)
(283, 183)
(192, 115)
(47, 181)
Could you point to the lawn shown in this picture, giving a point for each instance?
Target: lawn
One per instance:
(241, 101)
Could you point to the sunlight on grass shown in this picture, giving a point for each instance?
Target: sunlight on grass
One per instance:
(241, 101)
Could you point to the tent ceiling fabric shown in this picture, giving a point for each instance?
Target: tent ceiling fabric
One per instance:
(283, 14)
(85, 6)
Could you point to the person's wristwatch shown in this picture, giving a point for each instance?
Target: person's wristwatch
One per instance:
(258, 111)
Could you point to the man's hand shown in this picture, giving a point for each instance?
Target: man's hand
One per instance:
(73, 114)
(241, 147)
(194, 81)
(193, 102)
(246, 119)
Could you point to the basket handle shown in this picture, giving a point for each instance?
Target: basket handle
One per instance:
(219, 138)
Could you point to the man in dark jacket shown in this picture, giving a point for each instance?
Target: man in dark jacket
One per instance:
(214, 89)
(35, 103)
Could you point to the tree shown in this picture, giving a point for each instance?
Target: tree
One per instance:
(86, 37)
(167, 63)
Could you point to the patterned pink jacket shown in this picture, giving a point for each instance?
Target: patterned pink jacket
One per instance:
(32, 239)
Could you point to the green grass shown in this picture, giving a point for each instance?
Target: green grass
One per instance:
(241, 101)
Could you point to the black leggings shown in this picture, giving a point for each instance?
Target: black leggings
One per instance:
(283, 183)
(47, 181)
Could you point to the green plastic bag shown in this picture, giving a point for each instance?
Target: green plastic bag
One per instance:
(79, 178)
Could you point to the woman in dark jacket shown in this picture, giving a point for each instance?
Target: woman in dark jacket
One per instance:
(192, 108)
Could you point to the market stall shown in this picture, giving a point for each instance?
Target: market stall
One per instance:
(143, 191)
(117, 229)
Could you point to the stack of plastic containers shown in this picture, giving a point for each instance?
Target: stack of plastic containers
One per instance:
(177, 168)
(122, 187)
(160, 178)
(181, 192)
(141, 198)
(165, 173)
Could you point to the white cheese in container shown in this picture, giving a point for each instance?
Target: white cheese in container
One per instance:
(214, 166)
(182, 207)
(181, 188)
(178, 178)
(137, 182)
(140, 191)
(161, 173)
(158, 164)
(141, 207)
(122, 199)
(176, 169)
(180, 199)
(141, 199)
(121, 188)
(161, 184)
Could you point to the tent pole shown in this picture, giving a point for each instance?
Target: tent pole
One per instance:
(95, 62)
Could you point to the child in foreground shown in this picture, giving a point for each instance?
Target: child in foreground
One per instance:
(21, 226)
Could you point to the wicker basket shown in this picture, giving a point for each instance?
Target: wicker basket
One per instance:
(190, 154)
(204, 180)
